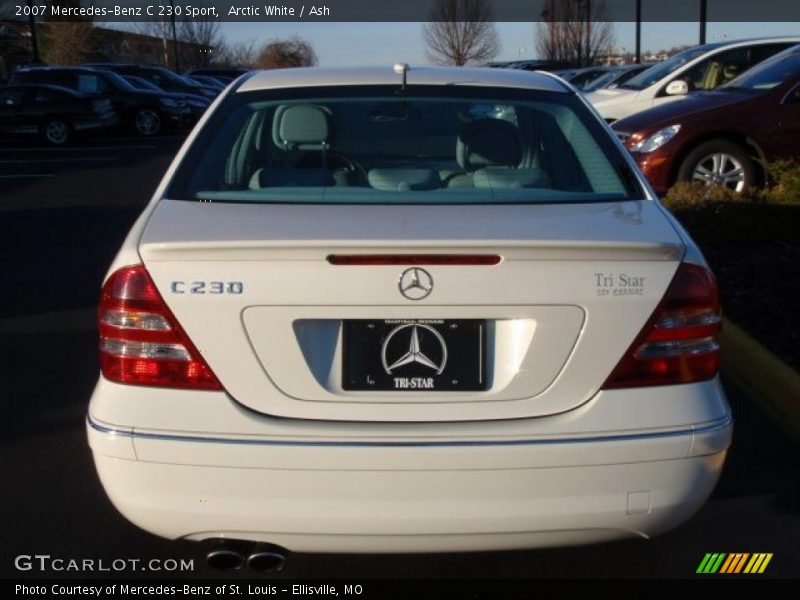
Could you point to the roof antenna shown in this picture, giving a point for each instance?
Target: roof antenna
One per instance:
(401, 69)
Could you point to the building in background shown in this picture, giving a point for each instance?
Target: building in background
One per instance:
(107, 45)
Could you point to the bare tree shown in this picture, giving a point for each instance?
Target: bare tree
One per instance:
(159, 29)
(283, 54)
(573, 32)
(460, 32)
(68, 42)
(200, 40)
(241, 54)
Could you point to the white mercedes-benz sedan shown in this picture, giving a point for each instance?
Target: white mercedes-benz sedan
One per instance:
(407, 310)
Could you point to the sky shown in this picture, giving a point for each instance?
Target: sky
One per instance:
(343, 44)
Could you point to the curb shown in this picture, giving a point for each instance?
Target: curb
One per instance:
(773, 384)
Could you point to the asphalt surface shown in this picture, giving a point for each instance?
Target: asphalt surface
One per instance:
(63, 214)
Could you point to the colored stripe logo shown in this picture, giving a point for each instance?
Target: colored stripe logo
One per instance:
(734, 563)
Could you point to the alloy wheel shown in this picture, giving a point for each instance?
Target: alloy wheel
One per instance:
(721, 169)
(148, 122)
(57, 132)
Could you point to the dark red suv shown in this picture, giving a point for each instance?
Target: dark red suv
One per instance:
(724, 136)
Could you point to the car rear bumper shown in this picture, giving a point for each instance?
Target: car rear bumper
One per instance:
(383, 494)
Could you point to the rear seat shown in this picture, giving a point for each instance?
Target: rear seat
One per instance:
(404, 180)
(490, 152)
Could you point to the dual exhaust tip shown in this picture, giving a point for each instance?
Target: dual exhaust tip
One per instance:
(233, 555)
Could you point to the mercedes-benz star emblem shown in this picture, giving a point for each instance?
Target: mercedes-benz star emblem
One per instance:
(415, 283)
(404, 346)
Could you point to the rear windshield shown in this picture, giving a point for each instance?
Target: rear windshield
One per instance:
(387, 146)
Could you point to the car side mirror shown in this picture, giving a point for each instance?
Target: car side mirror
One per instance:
(677, 88)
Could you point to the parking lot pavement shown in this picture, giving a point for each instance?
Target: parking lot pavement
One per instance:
(102, 171)
(64, 213)
(54, 257)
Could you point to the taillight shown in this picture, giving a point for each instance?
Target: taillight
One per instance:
(141, 342)
(680, 342)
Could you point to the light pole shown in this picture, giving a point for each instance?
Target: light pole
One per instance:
(638, 32)
(34, 38)
(174, 38)
(703, 20)
(588, 33)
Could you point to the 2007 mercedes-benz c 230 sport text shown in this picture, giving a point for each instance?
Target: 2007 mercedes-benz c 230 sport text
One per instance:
(407, 310)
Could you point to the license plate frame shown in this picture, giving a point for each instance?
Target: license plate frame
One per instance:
(414, 355)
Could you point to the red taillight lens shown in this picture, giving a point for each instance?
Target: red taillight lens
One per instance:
(141, 342)
(680, 342)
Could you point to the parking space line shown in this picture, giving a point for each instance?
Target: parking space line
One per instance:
(159, 138)
(76, 148)
(55, 160)
(27, 175)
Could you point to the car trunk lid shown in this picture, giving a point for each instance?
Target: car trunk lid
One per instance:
(253, 287)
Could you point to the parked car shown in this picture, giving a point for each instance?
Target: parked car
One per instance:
(614, 77)
(358, 320)
(700, 68)
(208, 81)
(197, 104)
(142, 84)
(229, 74)
(163, 78)
(535, 65)
(580, 78)
(52, 112)
(145, 112)
(724, 136)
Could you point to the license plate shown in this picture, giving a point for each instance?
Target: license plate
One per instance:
(414, 355)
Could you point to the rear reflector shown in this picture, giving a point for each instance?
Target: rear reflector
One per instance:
(680, 342)
(413, 259)
(141, 342)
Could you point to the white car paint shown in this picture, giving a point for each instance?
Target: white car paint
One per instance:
(543, 457)
(618, 103)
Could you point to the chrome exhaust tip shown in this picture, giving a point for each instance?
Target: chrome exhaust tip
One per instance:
(228, 555)
(267, 559)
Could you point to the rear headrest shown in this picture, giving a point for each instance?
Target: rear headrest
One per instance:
(488, 143)
(301, 126)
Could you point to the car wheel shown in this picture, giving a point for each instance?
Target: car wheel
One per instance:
(147, 121)
(56, 132)
(719, 162)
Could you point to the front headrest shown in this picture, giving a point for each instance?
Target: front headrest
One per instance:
(301, 125)
(488, 143)
(730, 72)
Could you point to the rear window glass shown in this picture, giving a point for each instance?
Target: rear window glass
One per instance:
(769, 74)
(380, 146)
